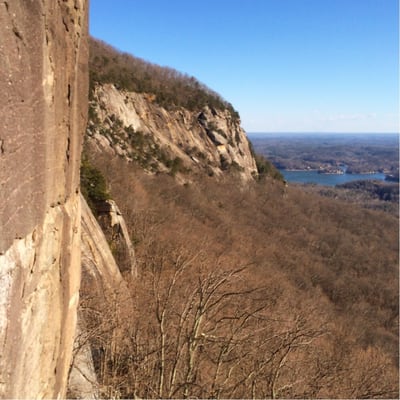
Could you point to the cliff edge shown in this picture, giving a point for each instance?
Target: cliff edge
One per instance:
(162, 120)
(134, 126)
(43, 69)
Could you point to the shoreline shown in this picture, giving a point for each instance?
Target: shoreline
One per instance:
(329, 173)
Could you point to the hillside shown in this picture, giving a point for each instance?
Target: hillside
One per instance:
(165, 260)
(376, 195)
(171, 89)
(242, 287)
(181, 138)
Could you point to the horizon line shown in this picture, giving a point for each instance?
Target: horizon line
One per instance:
(321, 132)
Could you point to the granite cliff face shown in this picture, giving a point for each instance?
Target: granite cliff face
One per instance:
(101, 280)
(134, 126)
(43, 107)
(43, 80)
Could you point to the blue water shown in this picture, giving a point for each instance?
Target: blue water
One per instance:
(325, 179)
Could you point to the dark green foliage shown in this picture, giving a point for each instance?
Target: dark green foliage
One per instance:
(265, 167)
(383, 191)
(146, 153)
(175, 165)
(93, 184)
(92, 114)
(171, 88)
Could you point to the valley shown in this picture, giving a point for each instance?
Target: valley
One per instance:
(362, 169)
(149, 250)
(230, 260)
(360, 153)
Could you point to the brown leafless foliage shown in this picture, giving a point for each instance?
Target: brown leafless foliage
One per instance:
(250, 292)
(169, 87)
(204, 333)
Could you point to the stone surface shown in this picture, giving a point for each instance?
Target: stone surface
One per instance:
(116, 230)
(100, 271)
(43, 82)
(82, 382)
(102, 284)
(211, 140)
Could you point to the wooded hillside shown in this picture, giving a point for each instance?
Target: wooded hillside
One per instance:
(263, 291)
(170, 87)
(243, 290)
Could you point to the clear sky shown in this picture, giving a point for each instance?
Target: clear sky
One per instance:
(285, 65)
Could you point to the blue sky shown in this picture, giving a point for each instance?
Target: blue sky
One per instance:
(285, 65)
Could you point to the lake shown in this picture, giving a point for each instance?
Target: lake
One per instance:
(299, 156)
(327, 179)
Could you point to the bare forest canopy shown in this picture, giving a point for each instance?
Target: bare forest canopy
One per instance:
(261, 292)
(256, 290)
(171, 88)
(375, 195)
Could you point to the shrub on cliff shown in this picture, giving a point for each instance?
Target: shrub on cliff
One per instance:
(93, 185)
(266, 168)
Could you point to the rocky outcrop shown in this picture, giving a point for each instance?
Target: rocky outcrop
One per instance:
(116, 230)
(101, 272)
(211, 140)
(103, 288)
(82, 382)
(43, 81)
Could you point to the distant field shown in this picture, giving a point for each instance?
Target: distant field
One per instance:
(360, 153)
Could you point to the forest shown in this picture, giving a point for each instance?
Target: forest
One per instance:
(257, 292)
(361, 153)
(241, 290)
(169, 87)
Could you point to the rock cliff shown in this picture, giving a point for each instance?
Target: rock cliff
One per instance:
(134, 126)
(103, 283)
(98, 263)
(43, 108)
(43, 81)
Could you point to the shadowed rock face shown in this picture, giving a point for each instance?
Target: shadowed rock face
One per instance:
(43, 84)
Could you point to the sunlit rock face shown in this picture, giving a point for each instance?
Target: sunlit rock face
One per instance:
(98, 264)
(101, 280)
(209, 141)
(43, 107)
(102, 285)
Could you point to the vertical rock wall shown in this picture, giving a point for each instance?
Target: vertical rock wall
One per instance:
(43, 86)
